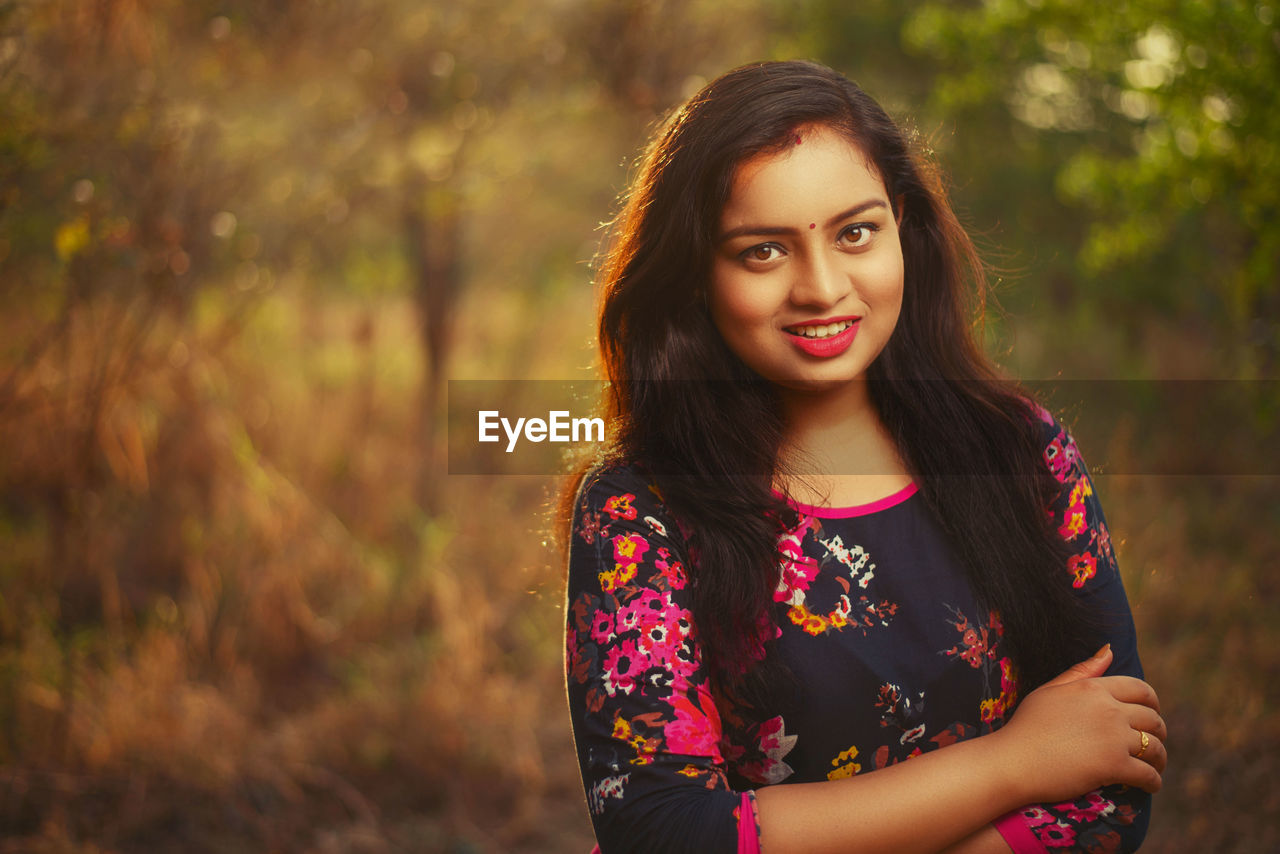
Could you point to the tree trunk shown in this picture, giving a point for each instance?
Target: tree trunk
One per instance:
(432, 232)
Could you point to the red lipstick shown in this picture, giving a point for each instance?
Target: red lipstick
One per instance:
(825, 348)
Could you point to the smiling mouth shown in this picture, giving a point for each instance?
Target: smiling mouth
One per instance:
(825, 330)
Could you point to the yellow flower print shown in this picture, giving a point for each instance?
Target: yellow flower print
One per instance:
(619, 506)
(644, 751)
(991, 710)
(625, 547)
(645, 748)
(812, 623)
(815, 625)
(844, 764)
(995, 709)
(628, 549)
(1080, 491)
(1073, 522)
(1082, 568)
(625, 573)
(689, 771)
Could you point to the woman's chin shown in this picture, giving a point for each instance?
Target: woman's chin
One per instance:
(820, 386)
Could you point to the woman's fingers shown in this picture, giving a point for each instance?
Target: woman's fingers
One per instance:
(1148, 729)
(1148, 762)
(1145, 776)
(1129, 689)
(1095, 725)
(1087, 669)
(1147, 720)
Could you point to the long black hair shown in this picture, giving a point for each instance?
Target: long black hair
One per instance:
(708, 430)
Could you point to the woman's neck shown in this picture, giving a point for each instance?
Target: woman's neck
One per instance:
(836, 450)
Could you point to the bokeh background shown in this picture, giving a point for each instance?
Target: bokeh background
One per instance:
(244, 245)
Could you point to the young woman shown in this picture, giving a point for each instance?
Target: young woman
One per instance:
(827, 538)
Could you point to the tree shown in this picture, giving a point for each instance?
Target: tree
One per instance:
(1153, 120)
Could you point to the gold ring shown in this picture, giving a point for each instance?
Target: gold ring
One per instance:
(1146, 740)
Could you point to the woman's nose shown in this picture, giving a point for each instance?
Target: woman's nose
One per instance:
(820, 282)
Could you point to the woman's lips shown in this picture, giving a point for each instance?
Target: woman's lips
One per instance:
(824, 346)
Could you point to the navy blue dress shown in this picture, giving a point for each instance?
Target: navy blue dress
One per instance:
(891, 653)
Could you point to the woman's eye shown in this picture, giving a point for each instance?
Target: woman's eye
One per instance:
(762, 252)
(859, 234)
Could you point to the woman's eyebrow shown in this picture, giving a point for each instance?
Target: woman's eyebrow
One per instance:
(766, 230)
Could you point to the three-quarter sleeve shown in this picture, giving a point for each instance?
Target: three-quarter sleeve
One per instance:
(644, 720)
(1113, 818)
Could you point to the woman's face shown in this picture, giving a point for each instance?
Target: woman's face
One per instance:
(806, 282)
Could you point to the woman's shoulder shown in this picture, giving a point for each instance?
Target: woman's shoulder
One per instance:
(622, 539)
(613, 472)
(615, 492)
(615, 482)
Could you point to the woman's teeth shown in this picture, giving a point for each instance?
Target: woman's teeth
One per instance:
(824, 331)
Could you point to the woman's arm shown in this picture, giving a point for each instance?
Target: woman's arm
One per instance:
(1113, 818)
(645, 723)
(987, 840)
(1072, 735)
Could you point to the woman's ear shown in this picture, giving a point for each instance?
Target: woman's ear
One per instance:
(897, 210)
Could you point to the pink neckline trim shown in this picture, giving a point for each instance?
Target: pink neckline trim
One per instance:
(858, 509)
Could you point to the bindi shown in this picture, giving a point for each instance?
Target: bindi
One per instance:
(813, 225)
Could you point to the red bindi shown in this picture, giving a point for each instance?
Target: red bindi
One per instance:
(813, 225)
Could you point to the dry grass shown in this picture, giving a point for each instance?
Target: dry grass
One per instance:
(1200, 557)
(226, 624)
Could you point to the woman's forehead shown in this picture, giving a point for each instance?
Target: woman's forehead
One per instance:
(817, 166)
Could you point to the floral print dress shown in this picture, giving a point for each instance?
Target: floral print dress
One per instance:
(892, 656)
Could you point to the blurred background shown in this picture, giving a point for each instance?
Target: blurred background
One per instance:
(244, 245)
